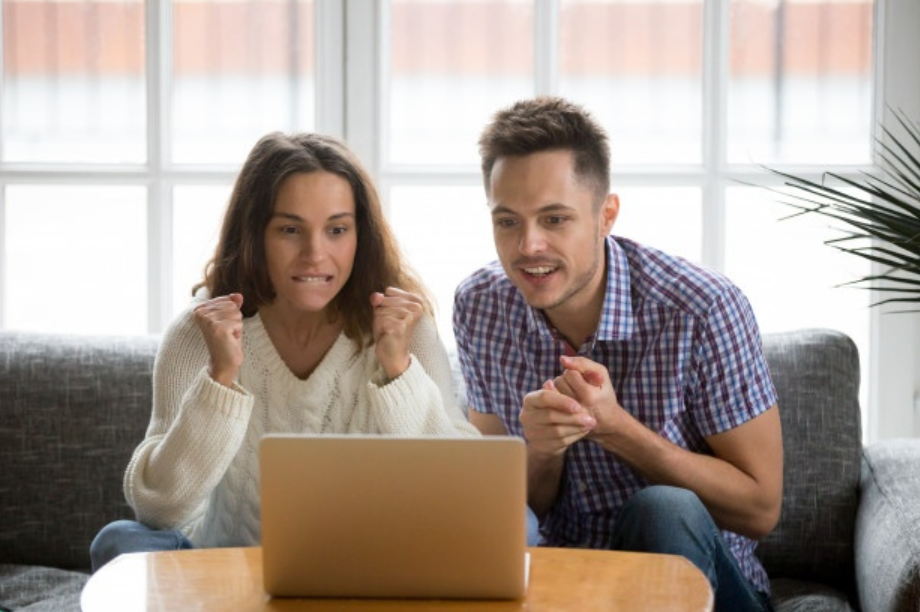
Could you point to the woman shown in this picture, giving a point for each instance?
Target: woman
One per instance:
(306, 321)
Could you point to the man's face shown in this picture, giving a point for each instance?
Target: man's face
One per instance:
(547, 234)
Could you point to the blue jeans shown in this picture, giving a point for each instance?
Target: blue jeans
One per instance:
(674, 521)
(533, 528)
(130, 536)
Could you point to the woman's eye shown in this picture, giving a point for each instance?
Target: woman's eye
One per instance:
(289, 229)
(338, 230)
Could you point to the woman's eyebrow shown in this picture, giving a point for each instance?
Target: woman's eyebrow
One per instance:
(286, 215)
(293, 217)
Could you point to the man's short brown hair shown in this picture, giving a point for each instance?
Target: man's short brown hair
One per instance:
(549, 124)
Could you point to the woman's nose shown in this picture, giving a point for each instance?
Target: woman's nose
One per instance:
(311, 248)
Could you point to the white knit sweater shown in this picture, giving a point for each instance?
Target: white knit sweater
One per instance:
(197, 468)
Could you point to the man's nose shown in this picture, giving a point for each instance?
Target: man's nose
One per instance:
(532, 240)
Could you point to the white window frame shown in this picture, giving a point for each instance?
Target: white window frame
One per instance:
(894, 361)
(158, 175)
(894, 365)
(350, 60)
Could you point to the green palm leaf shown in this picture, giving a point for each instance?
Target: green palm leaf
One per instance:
(878, 213)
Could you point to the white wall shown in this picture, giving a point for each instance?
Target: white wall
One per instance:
(895, 396)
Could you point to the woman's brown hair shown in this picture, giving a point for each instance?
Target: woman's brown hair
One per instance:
(239, 263)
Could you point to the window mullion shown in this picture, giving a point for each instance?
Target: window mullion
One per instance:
(3, 71)
(365, 102)
(159, 196)
(714, 133)
(3, 287)
(330, 37)
(3, 225)
(3, 265)
(546, 47)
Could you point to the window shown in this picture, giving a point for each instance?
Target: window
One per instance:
(123, 124)
(74, 81)
(687, 120)
(696, 96)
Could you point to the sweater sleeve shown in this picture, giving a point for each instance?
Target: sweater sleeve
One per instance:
(196, 428)
(421, 401)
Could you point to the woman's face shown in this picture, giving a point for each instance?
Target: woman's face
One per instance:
(311, 240)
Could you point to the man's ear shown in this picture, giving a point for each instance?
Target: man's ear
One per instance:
(610, 210)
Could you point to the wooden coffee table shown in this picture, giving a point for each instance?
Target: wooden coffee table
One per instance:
(561, 579)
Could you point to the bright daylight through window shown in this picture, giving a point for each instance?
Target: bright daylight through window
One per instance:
(124, 123)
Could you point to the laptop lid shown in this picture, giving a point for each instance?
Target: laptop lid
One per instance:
(380, 516)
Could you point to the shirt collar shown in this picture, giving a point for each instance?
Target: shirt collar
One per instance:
(616, 312)
(616, 320)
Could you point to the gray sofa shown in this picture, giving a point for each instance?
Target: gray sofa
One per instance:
(72, 408)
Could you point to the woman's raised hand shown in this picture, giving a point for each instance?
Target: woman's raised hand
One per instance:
(221, 322)
(396, 312)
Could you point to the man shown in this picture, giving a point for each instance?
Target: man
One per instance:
(636, 378)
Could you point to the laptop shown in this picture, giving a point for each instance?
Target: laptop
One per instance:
(393, 517)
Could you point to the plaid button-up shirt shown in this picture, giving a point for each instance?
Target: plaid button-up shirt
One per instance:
(684, 355)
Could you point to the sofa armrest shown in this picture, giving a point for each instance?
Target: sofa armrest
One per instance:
(72, 410)
(887, 536)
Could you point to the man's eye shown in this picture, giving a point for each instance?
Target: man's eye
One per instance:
(504, 222)
(555, 220)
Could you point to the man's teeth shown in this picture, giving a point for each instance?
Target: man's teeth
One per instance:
(539, 271)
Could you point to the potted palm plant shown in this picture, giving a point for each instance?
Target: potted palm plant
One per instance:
(878, 214)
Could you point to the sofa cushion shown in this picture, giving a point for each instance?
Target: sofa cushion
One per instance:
(40, 589)
(888, 527)
(798, 596)
(72, 409)
(816, 374)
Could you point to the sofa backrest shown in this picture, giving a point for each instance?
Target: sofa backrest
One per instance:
(72, 410)
(816, 374)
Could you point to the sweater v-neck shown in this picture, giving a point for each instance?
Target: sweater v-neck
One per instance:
(265, 348)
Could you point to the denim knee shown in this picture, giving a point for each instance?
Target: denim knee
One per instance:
(533, 528)
(671, 520)
(104, 546)
(666, 520)
(131, 536)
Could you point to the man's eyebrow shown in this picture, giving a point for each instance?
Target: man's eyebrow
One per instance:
(555, 207)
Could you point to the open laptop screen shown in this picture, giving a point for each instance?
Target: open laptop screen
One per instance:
(381, 516)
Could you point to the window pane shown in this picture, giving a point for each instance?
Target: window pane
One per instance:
(637, 65)
(76, 259)
(801, 81)
(790, 276)
(242, 68)
(446, 233)
(73, 81)
(198, 211)
(641, 213)
(453, 63)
